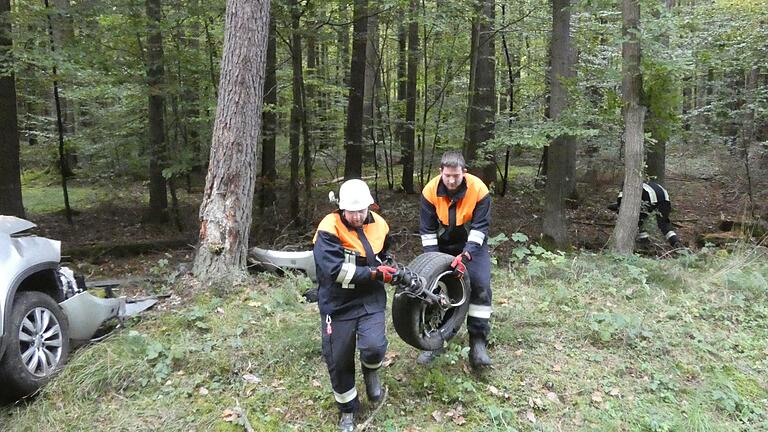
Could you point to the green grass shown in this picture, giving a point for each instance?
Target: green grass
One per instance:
(49, 199)
(584, 342)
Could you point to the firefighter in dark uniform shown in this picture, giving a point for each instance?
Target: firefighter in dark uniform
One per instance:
(455, 216)
(655, 199)
(350, 246)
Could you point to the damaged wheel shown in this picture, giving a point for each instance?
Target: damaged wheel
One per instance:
(424, 326)
(38, 344)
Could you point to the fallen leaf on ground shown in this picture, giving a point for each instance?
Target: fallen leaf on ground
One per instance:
(437, 415)
(494, 391)
(389, 358)
(530, 416)
(316, 383)
(553, 397)
(203, 391)
(597, 397)
(557, 368)
(459, 420)
(251, 379)
(229, 415)
(614, 392)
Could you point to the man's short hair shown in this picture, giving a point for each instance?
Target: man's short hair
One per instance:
(453, 159)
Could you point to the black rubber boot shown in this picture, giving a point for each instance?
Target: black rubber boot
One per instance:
(347, 422)
(427, 357)
(478, 352)
(372, 384)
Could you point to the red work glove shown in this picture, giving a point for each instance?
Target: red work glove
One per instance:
(383, 273)
(459, 264)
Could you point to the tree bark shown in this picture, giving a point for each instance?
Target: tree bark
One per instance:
(269, 124)
(562, 150)
(158, 193)
(482, 110)
(353, 134)
(623, 240)
(10, 171)
(409, 128)
(225, 213)
(296, 111)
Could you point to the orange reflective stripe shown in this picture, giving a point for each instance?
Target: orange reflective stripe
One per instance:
(476, 190)
(376, 232)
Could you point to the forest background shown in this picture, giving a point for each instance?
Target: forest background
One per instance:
(107, 113)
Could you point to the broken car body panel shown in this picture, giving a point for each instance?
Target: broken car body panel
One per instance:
(22, 255)
(273, 260)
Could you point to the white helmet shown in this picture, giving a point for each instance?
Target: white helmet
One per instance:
(354, 195)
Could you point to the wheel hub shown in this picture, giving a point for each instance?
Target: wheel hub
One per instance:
(40, 342)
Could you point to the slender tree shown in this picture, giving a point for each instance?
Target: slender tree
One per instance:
(296, 110)
(482, 111)
(10, 171)
(158, 192)
(562, 150)
(269, 123)
(409, 129)
(225, 213)
(661, 100)
(353, 133)
(623, 240)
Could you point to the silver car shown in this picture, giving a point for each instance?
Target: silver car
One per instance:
(44, 309)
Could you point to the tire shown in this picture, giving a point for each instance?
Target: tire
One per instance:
(36, 321)
(410, 315)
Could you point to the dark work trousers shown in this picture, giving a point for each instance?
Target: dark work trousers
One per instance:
(480, 297)
(367, 333)
(662, 210)
(479, 314)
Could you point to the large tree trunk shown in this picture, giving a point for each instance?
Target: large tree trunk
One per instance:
(225, 213)
(623, 240)
(562, 150)
(10, 172)
(409, 128)
(296, 111)
(353, 134)
(269, 125)
(482, 110)
(158, 194)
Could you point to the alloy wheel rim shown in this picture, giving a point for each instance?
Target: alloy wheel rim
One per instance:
(40, 341)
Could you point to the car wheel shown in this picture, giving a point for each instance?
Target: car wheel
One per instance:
(37, 346)
(424, 326)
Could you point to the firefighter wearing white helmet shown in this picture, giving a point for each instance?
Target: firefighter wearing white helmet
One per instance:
(354, 195)
(350, 248)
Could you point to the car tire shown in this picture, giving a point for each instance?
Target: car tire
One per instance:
(423, 326)
(37, 345)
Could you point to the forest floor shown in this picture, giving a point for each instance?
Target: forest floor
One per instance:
(580, 341)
